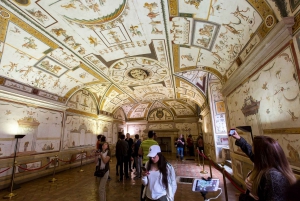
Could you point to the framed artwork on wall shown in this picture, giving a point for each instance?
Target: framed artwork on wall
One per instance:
(221, 139)
(220, 107)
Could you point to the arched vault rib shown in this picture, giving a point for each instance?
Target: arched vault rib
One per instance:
(186, 90)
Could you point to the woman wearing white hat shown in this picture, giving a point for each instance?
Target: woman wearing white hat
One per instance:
(158, 177)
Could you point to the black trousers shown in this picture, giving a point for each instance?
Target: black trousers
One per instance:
(191, 150)
(127, 164)
(117, 165)
(123, 167)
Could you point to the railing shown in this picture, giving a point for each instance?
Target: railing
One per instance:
(52, 161)
(224, 173)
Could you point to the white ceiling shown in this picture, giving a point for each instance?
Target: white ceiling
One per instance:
(128, 51)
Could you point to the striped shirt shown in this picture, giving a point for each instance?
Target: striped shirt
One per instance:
(145, 145)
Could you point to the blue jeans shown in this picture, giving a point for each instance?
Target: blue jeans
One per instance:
(180, 152)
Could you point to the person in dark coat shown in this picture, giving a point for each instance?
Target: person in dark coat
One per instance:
(129, 140)
(121, 154)
(271, 175)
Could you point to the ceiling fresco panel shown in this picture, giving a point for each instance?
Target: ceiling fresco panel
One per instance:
(180, 108)
(140, 111)
(199, 8)
(188, 91)
(128, 53)
(204, 34)
(152, 92)
(157, 104)
(127, 107)
(36, 12)
(113, 99)
(197, 77)
(160, 114)
(65, 57)
(180, 30)
(161, 52)
(84, 101)
(119, 114)
(189, 56)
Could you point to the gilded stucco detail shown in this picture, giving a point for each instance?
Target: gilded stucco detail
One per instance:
(296, 26)
(176, 57)
(173, 7)
(267, 14)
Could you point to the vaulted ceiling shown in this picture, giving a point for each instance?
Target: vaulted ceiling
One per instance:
(129, 52)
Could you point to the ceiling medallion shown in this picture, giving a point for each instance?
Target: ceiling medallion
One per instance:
(159, 113)
(138, 74)
(269, 21)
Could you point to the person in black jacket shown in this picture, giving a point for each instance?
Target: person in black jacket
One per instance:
(271, 175)
(121, 154)
(129, 140)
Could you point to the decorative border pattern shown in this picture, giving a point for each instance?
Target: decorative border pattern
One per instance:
(282, 131)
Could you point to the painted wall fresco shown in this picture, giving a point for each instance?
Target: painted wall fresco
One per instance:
(79, 131)
(41, 127)
(218, 110)
(274, 92)
(208, 137)
(187, 128)
(277, 94)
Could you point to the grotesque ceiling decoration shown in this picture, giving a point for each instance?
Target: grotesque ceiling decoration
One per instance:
(128, 54)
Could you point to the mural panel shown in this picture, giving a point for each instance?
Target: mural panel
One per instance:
(41, 127)
(79, 132)
(274, 89)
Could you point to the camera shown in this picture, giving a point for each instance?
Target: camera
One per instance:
(231, 132)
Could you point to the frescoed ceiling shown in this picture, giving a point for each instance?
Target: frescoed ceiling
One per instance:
(130, 54)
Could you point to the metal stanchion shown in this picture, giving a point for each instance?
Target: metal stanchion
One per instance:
(53, 176)
(210, 166)
(11, 194)
(224, 180)
(81, 170)
(198, 157)
(203, 171)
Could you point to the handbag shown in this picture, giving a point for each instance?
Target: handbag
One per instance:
(99, 172)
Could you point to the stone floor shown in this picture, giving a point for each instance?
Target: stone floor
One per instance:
(72, 185)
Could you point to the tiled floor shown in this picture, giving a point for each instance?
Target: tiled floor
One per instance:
(72, 185)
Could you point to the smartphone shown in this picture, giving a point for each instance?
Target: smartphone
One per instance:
(231, 132)
(144, 169)
(201, 185)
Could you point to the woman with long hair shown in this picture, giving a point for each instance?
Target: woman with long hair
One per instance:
(104, 157)
(271, 175)
(158, 177)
